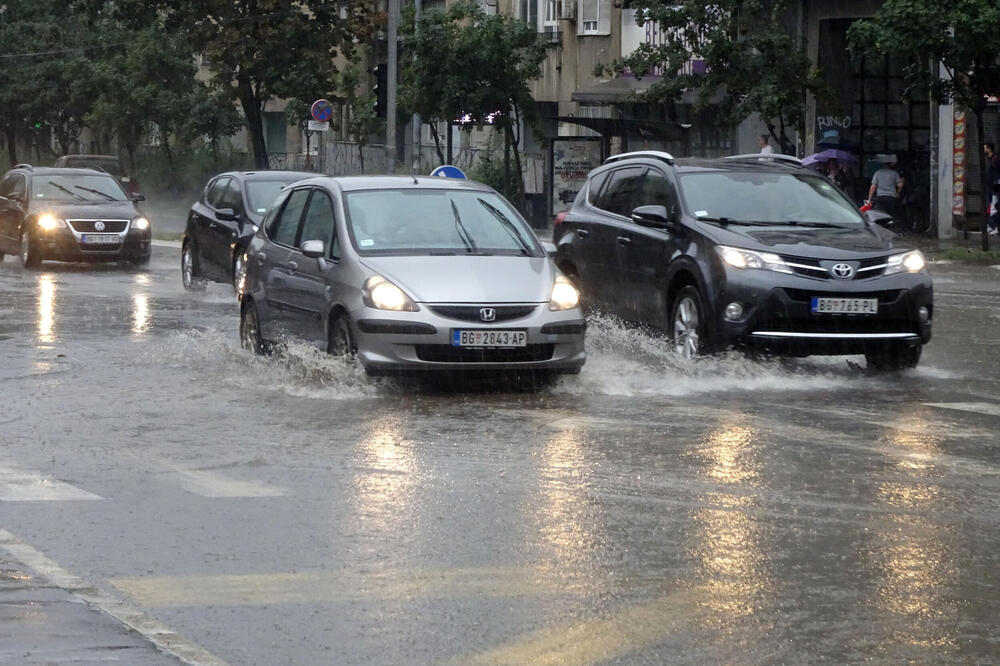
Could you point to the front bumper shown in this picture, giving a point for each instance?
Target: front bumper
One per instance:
(777, 313)
(402, 342)
(64, 244)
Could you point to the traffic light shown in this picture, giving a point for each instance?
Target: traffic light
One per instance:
(380, 87)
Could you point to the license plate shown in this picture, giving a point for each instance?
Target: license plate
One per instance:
(100, 239)
(844, 305)
(488, 338)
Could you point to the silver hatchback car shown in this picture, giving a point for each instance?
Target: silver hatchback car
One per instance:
(410, 274)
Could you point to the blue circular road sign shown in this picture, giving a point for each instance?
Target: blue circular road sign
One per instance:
(448, 171)
(321, 110)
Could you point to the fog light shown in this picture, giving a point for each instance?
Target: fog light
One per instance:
(734, 311)
(924, 315)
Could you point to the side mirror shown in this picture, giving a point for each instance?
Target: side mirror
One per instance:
(651, 216)
(225, 214)
(314, 249)
(878, 217)
(137, 197)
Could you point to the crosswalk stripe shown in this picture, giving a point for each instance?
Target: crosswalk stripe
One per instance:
(212, 484)
(19, 485)
(158, 634)
(987, 408)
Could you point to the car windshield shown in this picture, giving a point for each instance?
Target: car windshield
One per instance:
(766, 198)
(76, 188)
(437, 221)
(260, 193)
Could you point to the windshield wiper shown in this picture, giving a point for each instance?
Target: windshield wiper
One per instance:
(463, 233)
(817, 225)
(67, 191)
(103, 194)
(508, 226)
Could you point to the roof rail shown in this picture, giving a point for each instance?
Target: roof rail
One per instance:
(22, 166)
(764, 157)
(655, 154)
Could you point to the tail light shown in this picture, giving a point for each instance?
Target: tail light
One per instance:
(560, 218)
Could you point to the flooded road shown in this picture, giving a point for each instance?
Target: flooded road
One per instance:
(291, 510)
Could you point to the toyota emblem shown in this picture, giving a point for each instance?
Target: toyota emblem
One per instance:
(99, 225)
(487, 314)
(842, 271)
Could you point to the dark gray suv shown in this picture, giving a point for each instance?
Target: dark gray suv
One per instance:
(749, 251)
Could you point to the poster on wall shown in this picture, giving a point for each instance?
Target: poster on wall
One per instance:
(572, 158)
(958, 179)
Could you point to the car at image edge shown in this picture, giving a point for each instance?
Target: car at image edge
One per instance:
(412, 274)
(749, 252)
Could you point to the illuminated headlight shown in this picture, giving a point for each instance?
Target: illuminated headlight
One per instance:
(381, 294)
(564, 295)
(140, 223)
(739, 258)
(908, 262)
(50, 222)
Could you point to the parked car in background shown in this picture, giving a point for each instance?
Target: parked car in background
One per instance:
(69, 215)
(109, 163)
(225, 218)
(750, 251)
(410, 274)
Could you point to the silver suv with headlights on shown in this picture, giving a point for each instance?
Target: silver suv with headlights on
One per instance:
(410, 274)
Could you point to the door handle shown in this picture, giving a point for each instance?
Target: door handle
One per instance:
(624, 240)
(261, 258)
(292, 266)
(582, 233)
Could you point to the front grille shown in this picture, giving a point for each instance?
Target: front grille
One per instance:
(806, 296)
(867, 268)
(450, 354)
(472, 312)
(87, 226)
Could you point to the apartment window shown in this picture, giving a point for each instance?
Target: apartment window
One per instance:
(529, 12)
(551, 21)
(594, 17)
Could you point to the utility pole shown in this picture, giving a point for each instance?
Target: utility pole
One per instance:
(417, 123)
(390, 93)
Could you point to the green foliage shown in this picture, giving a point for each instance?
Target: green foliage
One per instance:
(754, 62)
(489, 170)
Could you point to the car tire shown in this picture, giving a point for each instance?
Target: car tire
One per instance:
(30, 254)
(341, 340)
(894, 358)
(687, 323)
(1, 256)
(250, 338)
(189, 269)
(237, 268)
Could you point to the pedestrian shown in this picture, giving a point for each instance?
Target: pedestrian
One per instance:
(836, 173)
(993, 187)
(886, 189)
(765, 144)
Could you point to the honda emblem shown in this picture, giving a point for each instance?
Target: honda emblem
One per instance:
(487, 314)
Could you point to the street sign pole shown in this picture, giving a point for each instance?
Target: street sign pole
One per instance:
(390, 94)
(417, 123)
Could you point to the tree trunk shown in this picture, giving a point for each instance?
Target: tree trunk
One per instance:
(255, 124)
(437, 140)
(361, 156)
(11, 137)
(518, 173)
(986, 186)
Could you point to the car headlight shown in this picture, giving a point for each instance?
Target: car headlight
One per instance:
(49, 222)
(140, 223)
(739, 258)
(907, 262)
(381, 294)
(564, 295)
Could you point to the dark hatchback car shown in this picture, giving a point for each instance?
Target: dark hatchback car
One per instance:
(747, 252)
(69, 215)
(225, 218)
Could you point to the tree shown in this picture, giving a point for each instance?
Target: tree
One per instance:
(753, 63)
(260, 50)
(363, 123)
(961, 35)
(470, 65)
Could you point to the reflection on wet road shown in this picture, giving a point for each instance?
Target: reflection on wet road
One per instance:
(291, 510)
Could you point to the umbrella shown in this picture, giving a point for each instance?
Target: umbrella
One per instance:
(829, 154)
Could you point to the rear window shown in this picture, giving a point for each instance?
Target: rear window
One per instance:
(111, 166)
(260, 193)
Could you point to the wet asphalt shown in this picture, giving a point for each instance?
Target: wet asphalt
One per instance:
(165, 490)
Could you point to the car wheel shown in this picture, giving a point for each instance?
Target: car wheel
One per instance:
(894, 358)
(687, 323)
(189, 270)
(250, 338)
(1, 256)
(237, 269)
(341, 342)
(30, 255)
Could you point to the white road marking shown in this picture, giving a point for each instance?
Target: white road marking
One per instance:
(165, 243)
(164, 638)
(18, 485)
(988, 408)
(212, 484)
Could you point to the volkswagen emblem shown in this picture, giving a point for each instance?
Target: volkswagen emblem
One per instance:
(487, 314)
(842, 271)
(99, 226)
